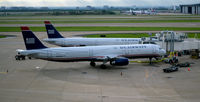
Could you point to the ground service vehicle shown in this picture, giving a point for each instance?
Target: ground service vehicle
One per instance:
(170, 69)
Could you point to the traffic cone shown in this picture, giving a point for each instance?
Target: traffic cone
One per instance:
(176, 54)
(188, 69)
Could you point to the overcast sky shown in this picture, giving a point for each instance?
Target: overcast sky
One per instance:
(67, 3)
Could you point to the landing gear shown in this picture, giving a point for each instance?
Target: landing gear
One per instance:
(157, 58)
(29, 57)
(20, 57)
(92, 63)
(103, 66)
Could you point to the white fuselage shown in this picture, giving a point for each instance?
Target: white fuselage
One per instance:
(97, 53)
(66, 42)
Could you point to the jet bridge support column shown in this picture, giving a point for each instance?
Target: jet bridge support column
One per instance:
(167, 45)
(169, 39)
(172, 44)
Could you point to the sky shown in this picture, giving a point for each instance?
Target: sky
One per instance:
(70, 3)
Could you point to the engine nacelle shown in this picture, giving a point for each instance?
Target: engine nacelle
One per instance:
(120, 62)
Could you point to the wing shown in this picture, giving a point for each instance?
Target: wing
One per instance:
(106, 57)
(114, 60)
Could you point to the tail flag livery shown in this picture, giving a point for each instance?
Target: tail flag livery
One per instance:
(51, 31)
(30, 40)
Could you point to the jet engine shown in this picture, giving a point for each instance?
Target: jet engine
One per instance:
(119, 62)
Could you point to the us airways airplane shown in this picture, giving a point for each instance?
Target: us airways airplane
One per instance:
(136, 12)
(115, 54)
(54, 37)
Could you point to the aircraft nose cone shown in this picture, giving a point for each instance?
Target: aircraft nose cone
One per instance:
(45, 40)
(163, 52)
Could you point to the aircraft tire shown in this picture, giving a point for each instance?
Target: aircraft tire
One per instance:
(93, 64)
(23, 57)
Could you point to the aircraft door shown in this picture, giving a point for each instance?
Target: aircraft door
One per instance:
(63, 42)
(155, 50)
(49, 54)
(126, 51)
(96, 42)
(90, 52)
(125, 42)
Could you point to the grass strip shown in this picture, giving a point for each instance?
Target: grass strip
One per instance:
(92, 28)
(194, 35)
(2, 36)
(101, 21)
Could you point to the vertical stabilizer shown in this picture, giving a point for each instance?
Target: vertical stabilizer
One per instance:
(51, 31)
(30, 40)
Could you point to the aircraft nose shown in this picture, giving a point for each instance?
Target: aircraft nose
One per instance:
(49, 41)
(163, 52)
(45, 40)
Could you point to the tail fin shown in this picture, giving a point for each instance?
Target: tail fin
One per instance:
(51, 31)
(30, 40)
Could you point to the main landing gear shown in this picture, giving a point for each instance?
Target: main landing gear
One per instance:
(150, 60)
(93, 64)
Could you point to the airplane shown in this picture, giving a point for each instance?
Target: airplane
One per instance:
(117, 55)
(148, 12)
(55, 38)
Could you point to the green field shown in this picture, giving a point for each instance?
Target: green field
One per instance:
(194, 35)
(2, 36)
(39, 29)
(98, 19)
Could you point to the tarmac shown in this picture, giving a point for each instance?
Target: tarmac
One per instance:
(44, 81)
